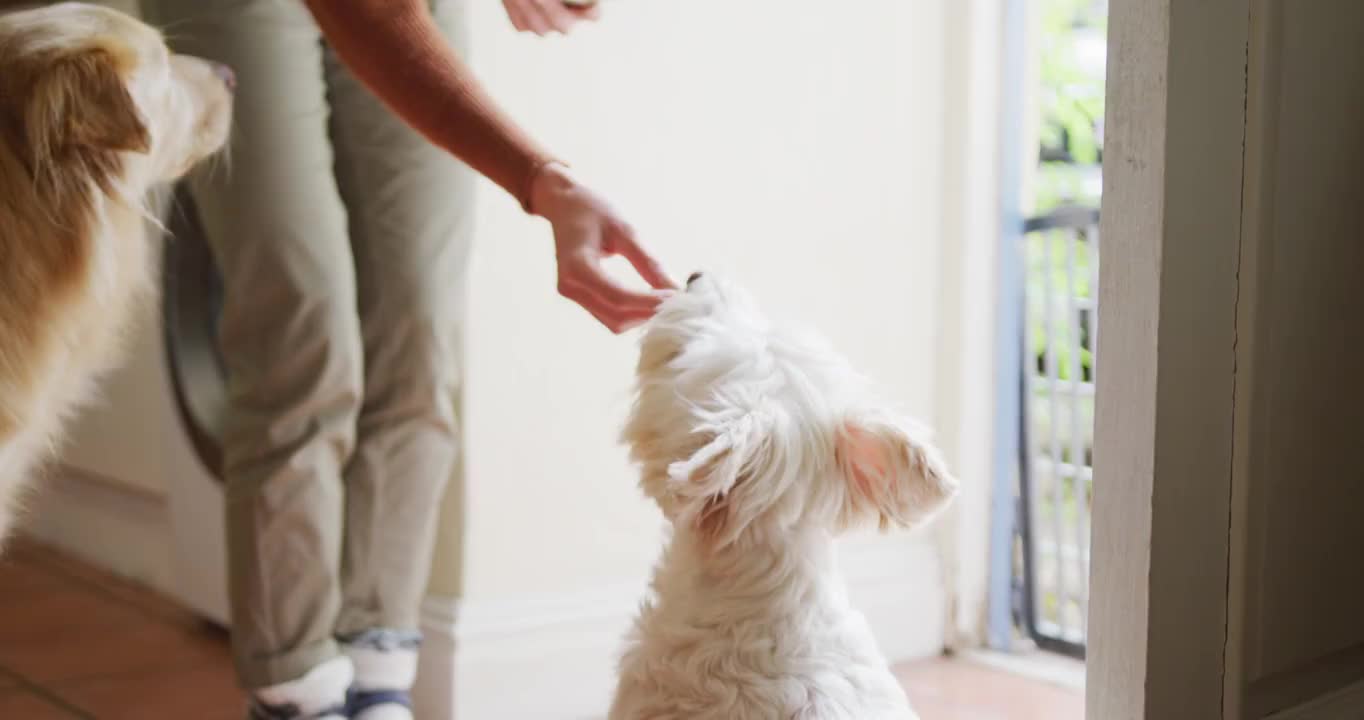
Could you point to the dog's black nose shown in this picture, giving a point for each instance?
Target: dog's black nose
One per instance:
(225, 74)
(693, 278)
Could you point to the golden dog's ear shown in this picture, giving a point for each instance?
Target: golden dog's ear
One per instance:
(79, 102)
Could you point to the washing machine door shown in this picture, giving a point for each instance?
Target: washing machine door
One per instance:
(191, 300)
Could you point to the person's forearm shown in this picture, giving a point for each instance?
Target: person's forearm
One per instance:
(395, 48)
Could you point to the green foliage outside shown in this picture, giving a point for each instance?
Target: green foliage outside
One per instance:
(1069, 156)
(1072, 100)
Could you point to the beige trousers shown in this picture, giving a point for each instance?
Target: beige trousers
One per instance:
(343, 239)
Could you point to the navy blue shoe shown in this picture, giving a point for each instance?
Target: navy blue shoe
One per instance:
(366, 704)
(258, 710)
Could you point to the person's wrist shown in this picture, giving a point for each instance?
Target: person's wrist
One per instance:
(548, 186)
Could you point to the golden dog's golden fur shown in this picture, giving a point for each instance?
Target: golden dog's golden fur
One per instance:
(94, 111)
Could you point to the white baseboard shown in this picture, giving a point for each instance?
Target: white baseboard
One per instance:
(104, 523)
(1348, 702)
(553, 657)
(523, 659)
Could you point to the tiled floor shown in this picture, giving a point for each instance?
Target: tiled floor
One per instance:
(78, 643)
(964, 690)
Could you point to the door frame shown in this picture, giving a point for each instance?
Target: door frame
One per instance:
(1173, 176)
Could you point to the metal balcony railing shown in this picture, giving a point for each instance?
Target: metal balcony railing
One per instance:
(1055, 476)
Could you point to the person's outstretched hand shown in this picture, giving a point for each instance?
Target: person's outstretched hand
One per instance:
(543, 17)
(586, 232)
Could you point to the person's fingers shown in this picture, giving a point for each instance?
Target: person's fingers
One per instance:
(516, 14)
(615, 321)
(535, 17)
(586, 12)
(557, 15)
(624, 243)
(610, 323)
(619, 323)
(618, 308)
(586, 271)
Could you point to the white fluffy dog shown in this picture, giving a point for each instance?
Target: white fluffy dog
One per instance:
(760, 445)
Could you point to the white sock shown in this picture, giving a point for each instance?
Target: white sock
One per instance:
(321, 690)
(387, 668)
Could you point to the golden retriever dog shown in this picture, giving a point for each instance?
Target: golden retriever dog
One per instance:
(94, 112)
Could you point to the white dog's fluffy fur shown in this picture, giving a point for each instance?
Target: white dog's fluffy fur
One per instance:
(761, 445)
(94, 110)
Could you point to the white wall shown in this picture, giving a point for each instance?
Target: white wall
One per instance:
(800, 153)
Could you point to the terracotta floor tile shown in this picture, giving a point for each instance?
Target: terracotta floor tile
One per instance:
(23, 704)
(941, 710)
(150, 603)
(76, 573)
(202, 693)
(58, 612)
(24, 549)
(70, 632)
(19, 578)
(960, 690)
(111, 650)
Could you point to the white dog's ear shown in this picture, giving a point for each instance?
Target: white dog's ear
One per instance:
(893, 473)
(705, 484)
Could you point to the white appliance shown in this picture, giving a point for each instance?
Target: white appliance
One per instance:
(153, 433)
(193, 372)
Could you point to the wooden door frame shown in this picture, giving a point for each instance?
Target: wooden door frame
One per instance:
(1173, 174)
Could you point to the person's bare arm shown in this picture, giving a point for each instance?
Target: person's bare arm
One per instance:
(396, 49)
